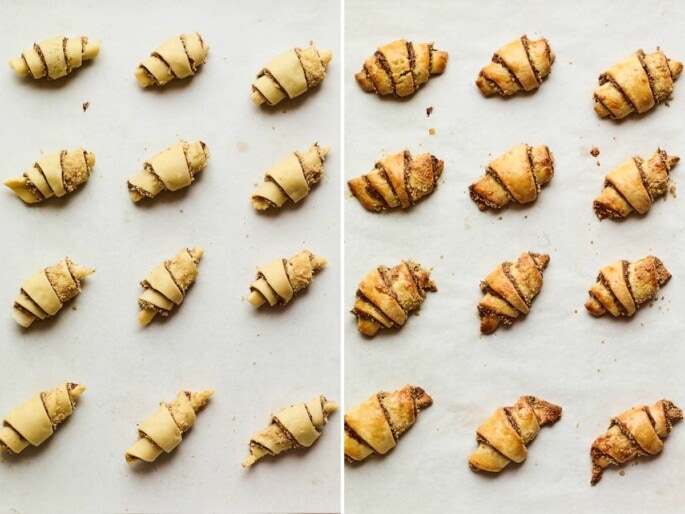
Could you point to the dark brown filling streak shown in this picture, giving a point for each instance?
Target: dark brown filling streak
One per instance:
(369, 317)
(531, 166)
(513, 423)
(255, 444)
(384, 175)
(37, 166)
(28, 312)
(492, 173)
(407, 170)
(626, 278)
(307, 77)
(604, 211)
(32, 187)
(415, 279)
(354, 435)
(66, 57)
(639, 164)
(626, 433)
(148, 167)
(605, 77)
(369, 79)
(603, 281)
(493, 85)
(371, 191)
(39, 51)
(526, 47)
(289, 436)
(650, 78)
(190, 59)
(482, 200)
(298, 156)
(430, 60)
(607, 183)
(412, 64)
(434, 169)
(382, 271)
(506, 267)
(267, 73)
(380, 396)
(596, 453)
(651, 419)
(380, 60)
(171, 70)
(149, 74)
(482, 440)
(599, 101)
(487, 312)
(531, 401)
(498, 60)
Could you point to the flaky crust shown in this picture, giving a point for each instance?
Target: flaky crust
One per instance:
(638, 432)
(634, 185)
(520, 65)
(375, 425)
(515, 176)
(504, 436)
(399, 180)
(400, 68)
(636, 84)
(386, 296)
(510, 290)
(623, 286)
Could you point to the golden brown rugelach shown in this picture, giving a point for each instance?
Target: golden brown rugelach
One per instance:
(375, 425)
(400, 68)
(504, 435)
(515, 176)
(638, 432)
(634, 185)
(387, 296)
(636, 84)
(398, 180)
(510, 289)
(623, 286)
(520, 65)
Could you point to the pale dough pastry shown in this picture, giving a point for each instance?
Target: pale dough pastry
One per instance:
(55, 57)
(36, 420)
(290, 74)
(54, 174)
(177, 58)
(42, 295)
(162, 432)
(171, 170)
(166, 285)
(291, 178)
(279, 281)
(297, 426)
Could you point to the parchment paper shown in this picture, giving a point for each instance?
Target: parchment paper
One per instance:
(594, 368)
(258, 361)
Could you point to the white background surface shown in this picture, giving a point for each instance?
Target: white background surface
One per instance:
(594, 368)
(258, 361)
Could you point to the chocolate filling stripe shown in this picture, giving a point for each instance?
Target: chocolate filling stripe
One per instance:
(526, 47)
(380, 60)
(492, 173)
(380, 397)
(412, 64)
(498, 60)
(640, 165)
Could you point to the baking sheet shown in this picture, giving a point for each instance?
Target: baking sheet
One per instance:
(594, 368)
(258, 361)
